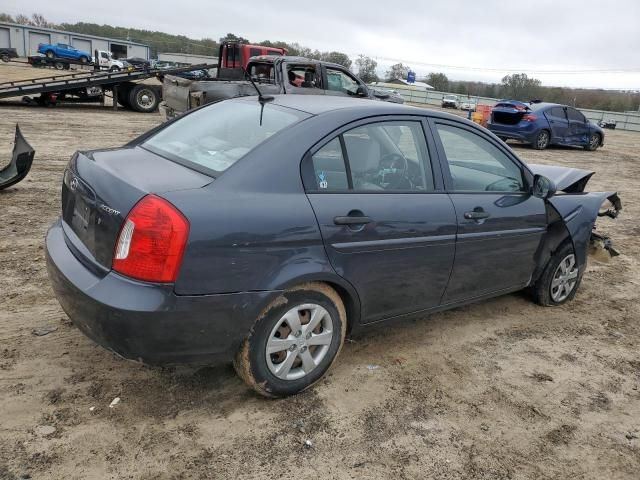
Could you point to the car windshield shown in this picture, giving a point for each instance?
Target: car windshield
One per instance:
(450, 97)
(217, 136)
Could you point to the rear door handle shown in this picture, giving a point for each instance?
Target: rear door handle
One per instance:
(351, 220)
(476, 215)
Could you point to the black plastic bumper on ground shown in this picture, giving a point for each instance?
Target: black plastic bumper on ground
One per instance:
(147, 322)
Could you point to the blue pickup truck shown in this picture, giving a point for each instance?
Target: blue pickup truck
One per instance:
(61, 50)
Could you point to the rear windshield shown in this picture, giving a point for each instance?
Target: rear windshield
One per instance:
(215, 137)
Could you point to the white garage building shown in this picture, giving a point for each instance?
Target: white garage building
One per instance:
(25, 39)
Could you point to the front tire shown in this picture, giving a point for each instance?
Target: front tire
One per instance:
(594, 142)
(560, 279)
(542, 140)
(294, 342)
(50, 54)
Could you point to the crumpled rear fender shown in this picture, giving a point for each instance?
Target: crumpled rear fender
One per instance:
(20, 163)
(579, 212)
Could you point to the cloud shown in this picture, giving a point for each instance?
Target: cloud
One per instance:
(479, 36)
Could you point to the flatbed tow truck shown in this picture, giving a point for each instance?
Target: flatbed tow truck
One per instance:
(93, 86)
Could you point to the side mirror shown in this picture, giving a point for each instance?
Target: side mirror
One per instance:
(543, 187)
(362, 91)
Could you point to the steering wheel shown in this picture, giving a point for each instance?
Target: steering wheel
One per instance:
(393, 172)
(394, 161)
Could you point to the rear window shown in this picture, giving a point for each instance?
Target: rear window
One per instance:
(215, 137)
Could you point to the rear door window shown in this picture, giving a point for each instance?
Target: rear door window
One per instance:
(558, 112)
(386, 156)
(574, 115)
(329, 168)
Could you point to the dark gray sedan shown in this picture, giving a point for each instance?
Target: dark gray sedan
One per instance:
(265, 231)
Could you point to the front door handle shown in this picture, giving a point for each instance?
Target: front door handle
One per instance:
(476, 215)
(352, 220)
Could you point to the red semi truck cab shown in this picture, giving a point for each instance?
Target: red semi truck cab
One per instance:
(237, 55)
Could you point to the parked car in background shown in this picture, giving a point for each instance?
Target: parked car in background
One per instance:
(138, 62)
(62, 50)
(386, 94)
(468, 105)
(265, 230)
(450, 101)
(543, 124)
(7, 54)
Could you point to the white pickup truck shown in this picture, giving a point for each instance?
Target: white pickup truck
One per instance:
(107, 62)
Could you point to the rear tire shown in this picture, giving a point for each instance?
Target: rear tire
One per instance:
(560, 279)
(59, 66)
(542, 140)
(594, 142)
(84, 60)
(144, 98)
(294, 342)
(5, 58)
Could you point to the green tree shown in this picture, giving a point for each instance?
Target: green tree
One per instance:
(367, 69)
(398, 71)
(230, 37)
(38, 20)
(336, 57)
(439, 81)
(520, 87)
(23, 19)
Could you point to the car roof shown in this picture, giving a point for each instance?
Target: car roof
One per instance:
(320, 104)
(544, 105)
(292, 59)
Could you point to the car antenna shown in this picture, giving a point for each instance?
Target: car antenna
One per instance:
(261, 98)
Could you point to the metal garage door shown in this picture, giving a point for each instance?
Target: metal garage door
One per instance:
(4, 38)
(82, 44)
(36, 38)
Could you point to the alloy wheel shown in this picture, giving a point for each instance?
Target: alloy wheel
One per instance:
(299, 341)
(594, 141)
(565, 279)
(543, 139)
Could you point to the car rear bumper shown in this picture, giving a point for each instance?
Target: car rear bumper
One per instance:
(524, 134)
(149, 322)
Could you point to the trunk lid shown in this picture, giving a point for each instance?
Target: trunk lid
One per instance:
(101, 187)
(509, 113)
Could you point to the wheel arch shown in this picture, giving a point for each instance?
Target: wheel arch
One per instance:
(344, 289)
(556, 237)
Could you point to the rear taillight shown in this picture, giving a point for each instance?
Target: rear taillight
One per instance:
(529, 117)
(151, 242)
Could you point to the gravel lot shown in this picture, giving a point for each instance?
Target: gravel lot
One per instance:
(498, 390)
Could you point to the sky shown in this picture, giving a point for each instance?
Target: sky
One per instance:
(575, 43)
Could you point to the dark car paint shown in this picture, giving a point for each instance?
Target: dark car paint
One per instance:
(20, 163)
(254, 232)
(563, 131)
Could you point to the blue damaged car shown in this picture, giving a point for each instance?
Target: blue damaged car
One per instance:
(543, 124)
(264, 229)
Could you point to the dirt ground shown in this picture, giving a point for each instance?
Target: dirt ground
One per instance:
(503, 389)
